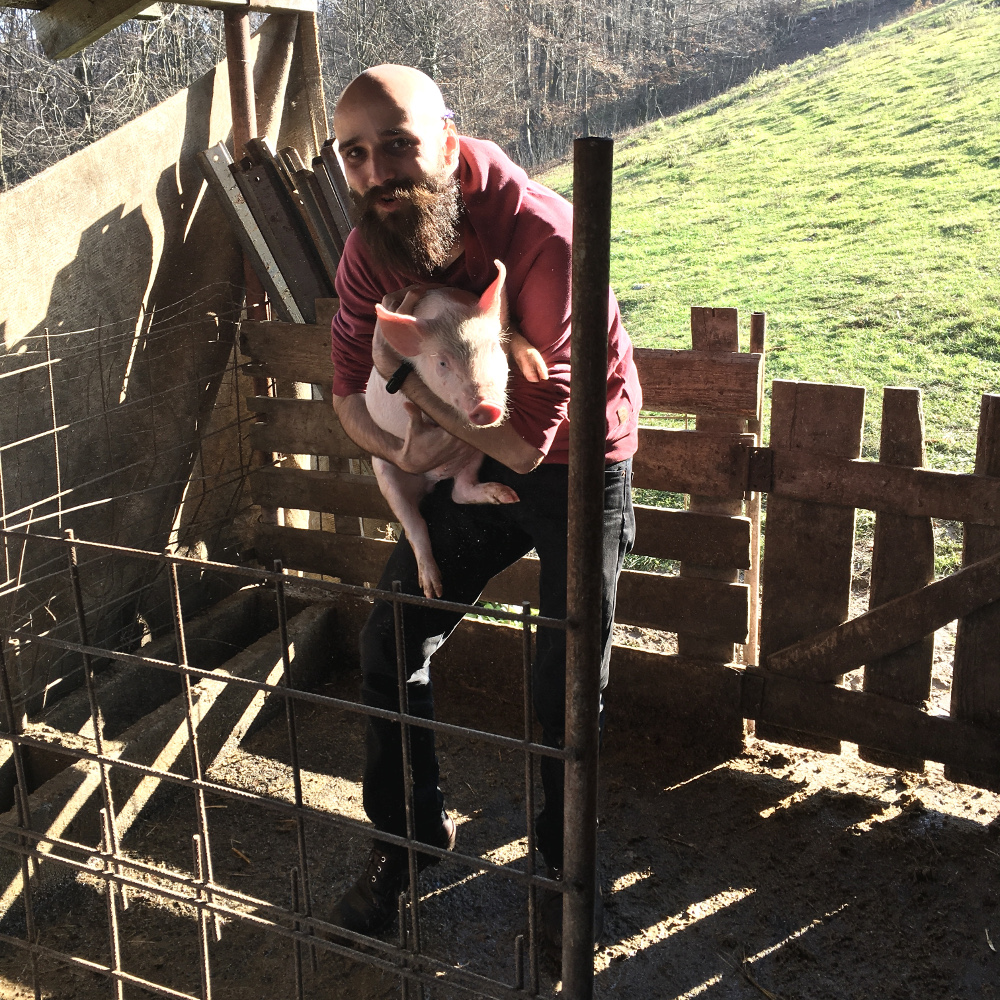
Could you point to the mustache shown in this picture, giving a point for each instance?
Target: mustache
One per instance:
(419, 194)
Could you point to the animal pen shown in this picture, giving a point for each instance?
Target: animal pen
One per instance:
(164, 638)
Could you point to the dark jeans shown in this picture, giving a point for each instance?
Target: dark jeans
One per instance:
(472, 543)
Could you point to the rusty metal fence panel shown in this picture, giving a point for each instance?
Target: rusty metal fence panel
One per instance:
(123, 873)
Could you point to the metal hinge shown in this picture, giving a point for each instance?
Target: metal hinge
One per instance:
(760, 470)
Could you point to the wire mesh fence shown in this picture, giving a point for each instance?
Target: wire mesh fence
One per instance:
(116, 867)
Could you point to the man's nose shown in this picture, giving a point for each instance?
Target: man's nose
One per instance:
(380, 170)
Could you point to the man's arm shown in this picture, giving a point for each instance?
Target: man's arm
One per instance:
(502, 443)
(425, 446)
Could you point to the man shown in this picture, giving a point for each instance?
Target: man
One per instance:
(437, 207)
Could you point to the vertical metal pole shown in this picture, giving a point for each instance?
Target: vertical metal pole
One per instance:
(203, 868)
(529, 807)
(404, 735)
(293, 752)
(592, 181)
(111, 894)
(199, 852)
(96, 718)
(244, 109)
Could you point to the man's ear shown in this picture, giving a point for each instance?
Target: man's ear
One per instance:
(405, 334)
(451, 145)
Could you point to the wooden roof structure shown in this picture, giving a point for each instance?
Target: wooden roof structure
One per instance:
(64, 27)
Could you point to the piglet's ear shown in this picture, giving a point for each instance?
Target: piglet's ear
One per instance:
(489, 301)
(404, 333)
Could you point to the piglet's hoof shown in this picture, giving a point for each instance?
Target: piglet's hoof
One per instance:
(483, 493)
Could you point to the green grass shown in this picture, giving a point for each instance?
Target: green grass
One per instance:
(855, 198)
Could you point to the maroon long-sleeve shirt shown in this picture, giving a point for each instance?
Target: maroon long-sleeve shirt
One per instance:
(530, 228)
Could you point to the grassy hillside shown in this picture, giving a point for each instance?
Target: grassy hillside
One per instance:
(854, 197)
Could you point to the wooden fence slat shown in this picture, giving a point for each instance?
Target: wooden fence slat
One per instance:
(954, 496)
(699, 381)
(714, 332)
(902, 561)
(710, 539)
(702, 607)
(892, 626)
(298, 352)
(975, 686)
(691, 462)
(300, 427)
(835, 713)
(809, 553)
(328, 492)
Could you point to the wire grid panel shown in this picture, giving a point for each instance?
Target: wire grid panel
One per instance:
(39, 851)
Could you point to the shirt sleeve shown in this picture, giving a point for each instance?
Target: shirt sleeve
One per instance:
(543, 312)
(354, 324)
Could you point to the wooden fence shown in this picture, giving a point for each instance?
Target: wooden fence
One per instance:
(814, 480)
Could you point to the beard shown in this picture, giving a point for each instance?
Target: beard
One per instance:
(416, 238)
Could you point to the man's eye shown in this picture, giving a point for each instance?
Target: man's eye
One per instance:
(399, 145)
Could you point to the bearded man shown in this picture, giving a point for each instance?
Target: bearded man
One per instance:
(434, 206)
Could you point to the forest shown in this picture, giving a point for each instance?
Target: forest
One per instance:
(529, 74)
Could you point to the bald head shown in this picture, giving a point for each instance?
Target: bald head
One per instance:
(403, 87)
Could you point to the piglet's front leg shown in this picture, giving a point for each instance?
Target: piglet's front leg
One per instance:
(404, 491)
(468, 488)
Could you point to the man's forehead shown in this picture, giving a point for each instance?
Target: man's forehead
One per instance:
(380, 115)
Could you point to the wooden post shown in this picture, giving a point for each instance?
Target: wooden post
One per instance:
(975, 686)
(713, 330)
(809, 554)
(902, 561)
(751, 650)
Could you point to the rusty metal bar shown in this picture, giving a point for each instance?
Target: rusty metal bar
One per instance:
(111, 894)
(23, 818)
(287, 682)
(262, 575)
(296, 944)
(404, 733)
(21, 796)
(198, 851)
(96, 718)
(529, 806)
(203, 871)
(592, 182)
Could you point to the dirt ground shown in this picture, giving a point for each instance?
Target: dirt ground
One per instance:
(777, 872)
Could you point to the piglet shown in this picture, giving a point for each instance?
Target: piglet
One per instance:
(456, 343)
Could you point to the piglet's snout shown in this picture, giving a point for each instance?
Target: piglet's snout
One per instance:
(486, 413)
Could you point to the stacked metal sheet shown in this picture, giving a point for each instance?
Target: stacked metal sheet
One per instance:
(291, 220)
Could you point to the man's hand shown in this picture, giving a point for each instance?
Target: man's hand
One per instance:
(426, 446)
(530, 363)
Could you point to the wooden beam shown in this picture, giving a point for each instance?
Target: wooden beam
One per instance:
(891, 626)
(975, 686)
(329, 492)
(834, 713)
(711, 608)
(300, 427)
(808, 475)
(902, 561)
(708, 539)
(67, 26)
(298, 352)
(713, 465)
(699, 381)
(809, 552)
